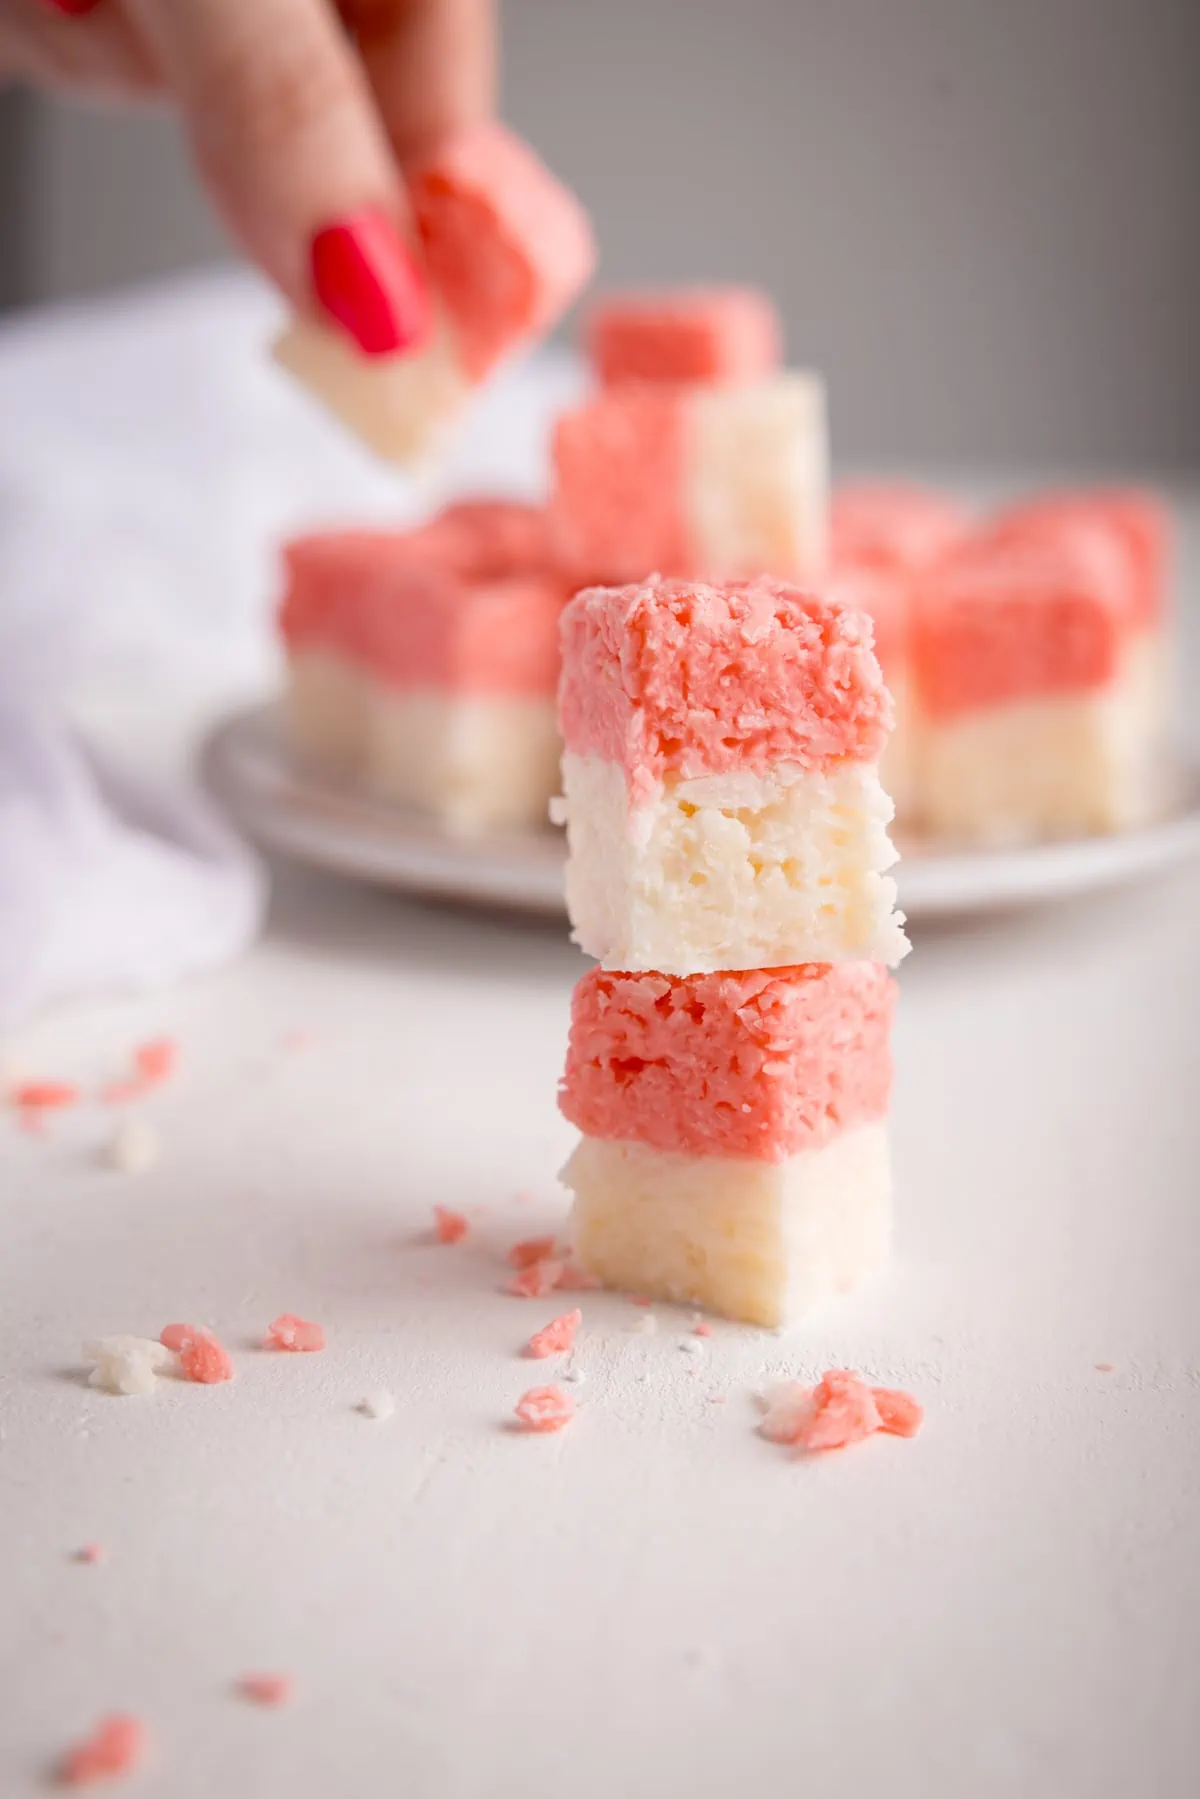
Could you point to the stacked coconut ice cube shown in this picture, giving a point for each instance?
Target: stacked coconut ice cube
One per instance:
(729, 1060)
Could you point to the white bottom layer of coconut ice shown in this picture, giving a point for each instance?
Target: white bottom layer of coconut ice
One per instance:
(731, 871)
(1066, 765)
(765, 1242)
(471, 761)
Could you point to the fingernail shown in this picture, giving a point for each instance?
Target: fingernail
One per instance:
(366, 278)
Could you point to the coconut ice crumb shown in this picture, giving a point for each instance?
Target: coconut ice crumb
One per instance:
(116, 1746)
(531, 1249)
(545, 1409)
(266, 1689)
(690, 1347)
(536, 1279)
(840, 1410)
(201, 1357)
(153, 1063)
(575, 1279)
(556, 1337)
(448, 1226)
(296, 1334)
(132, 1147)
(377, 1405)
(89, 1554)
(701, 1328)
(127, 1365)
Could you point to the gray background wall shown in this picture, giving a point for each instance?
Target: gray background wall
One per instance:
(982, 220)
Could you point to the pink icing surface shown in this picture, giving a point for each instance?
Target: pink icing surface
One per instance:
(885, 597)
(763, 1063)
(485, 540)
(508, 247)
(1015, 617)
(675, 676)
(394, 603)
(892, 527)
(684, 334)
(1133, 521)
(615, 510)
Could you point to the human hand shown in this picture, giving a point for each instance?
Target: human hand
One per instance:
(300, 114)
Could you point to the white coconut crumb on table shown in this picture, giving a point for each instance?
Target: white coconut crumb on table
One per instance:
(645, 1326)
(377, 1406)
(127, 1365)
(691, 1346)
(131, 1146)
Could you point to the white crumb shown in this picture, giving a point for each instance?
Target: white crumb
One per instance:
(557, 809)
(377, 1405)
(645, 1326)
(575, 1375)
(691, 1346)
(695, 1321)
(127, 1365)
(132, 1146)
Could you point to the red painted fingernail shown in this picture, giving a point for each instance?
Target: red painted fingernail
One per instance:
(75, 7)
(365, 277)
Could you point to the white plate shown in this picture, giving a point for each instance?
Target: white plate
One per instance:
(310, 817)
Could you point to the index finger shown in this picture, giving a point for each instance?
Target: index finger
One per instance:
(431, 63)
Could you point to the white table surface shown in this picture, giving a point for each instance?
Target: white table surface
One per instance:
(654, 1601)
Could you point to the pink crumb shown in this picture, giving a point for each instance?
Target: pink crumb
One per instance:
(899, 1413)
(638, 1299)
(201, 1357)
(44, 1096)
(556, 1337)
(205, 1360)
(266, 1689)
(536, 1280)
(575, 1279)
(448, 1226)
(531, 1249)
(153, 1063)
(117, 1746)
(292, 1333)
(89, 1554)
(1104, 1367)
(545, 1409)
(703, 1329)
(840, 1410)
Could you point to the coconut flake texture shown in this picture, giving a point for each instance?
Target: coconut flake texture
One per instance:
(128, 1365)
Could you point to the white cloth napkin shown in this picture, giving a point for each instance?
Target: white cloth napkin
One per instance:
(151, 459)
(106, 882)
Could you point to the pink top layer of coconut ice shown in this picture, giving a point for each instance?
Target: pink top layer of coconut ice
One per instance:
(1133, 521)
(1022, 616)
(507, 246)
(761, 1064)
(682, 678)
(616, 508)
(684, 334)
(892, 527)
(386, 603)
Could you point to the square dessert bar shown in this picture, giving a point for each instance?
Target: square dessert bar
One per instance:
(717, 481)
(425, 663)
(1038, 697)
(506, 250)
(720, 779)
(881, 537)
(699, 334)
(734, 1150)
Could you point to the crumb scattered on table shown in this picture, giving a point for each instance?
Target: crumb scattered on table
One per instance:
(448, 1226)
(292, 1333)
(377, 1405)
(132, 1146)
(545, 1409)
(116, 1746)
(556, 1337)
(266, 1689)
